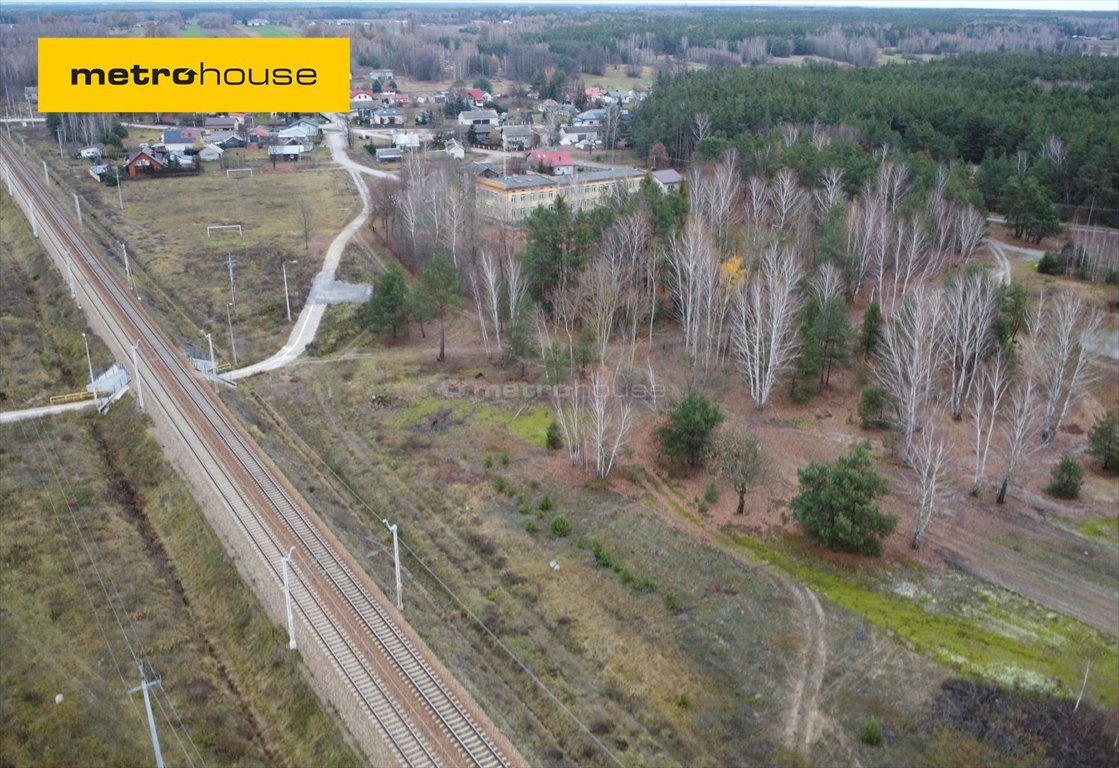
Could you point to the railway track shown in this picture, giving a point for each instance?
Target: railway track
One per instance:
(405, 699)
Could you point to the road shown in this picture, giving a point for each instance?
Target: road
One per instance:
(9, 417)
(374, 670)
(307, 324)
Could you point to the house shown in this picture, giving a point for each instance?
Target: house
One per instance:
(174, 141)
(257, 22)
(484, 169)
(406, 141)
(592, 189)
(99, 172)
(260, 135)
(590, 117)
(220, 124)
(548, 106)
(210, 153)
(595, 92)
(556, 162)
(299, 132)
(380, 74)
(145, 160)
(455, 150)
(285, 152)
(668, 180)
(474, 96)
(476, 117)
(227, 139)
(517, 137)
(180, 160)
(310, 127)
(245, 119)
(401, 99)
(361, 95)
(574, 134)
(190, 132)
(92, 152)
(388, 116)
(389, 154)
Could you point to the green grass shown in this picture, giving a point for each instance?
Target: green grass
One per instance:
(273, 30)
(193, 30)
(989, 633)
(1105, 529)
(530, 425)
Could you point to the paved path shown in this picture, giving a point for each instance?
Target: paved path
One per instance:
(9, 417)
(324, 289)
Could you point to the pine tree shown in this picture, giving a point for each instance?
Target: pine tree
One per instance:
(387, 309)
(440, 283)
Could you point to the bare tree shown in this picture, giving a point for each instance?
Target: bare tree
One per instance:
(1059, 355)
(971, 232)
(610, 418)
(567, 405)
(968, 332)
(758, 196)
(516, 282)
(601, 285)
(765, 322)
(694, 280)
(908, 361)
(490, 285)
(701, 126)
(786, 195)
(930, 461)
(478, 296)
(1022, 424)
(830, 192)
(988, 394)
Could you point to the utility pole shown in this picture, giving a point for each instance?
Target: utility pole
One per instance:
(70, 276)
(46, 176)
(78, 208)
(144, 686)
(34, 223)
(127, 269)
(396, 560)
(287, 296)
(60, 142)
(120, 195)
(232, 287)
(89, 362)
(232, 343)
(213, 363)
(136, 374)
(286, 560)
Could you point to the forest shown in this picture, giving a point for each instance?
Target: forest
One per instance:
(1056, 113)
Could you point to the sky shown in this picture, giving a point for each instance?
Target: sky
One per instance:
(1008, 5)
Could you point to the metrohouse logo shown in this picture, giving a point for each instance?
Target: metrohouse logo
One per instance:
(177, 75)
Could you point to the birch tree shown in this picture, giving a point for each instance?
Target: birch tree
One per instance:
(757, 196)
(968, 333)
(930, 461)
(693, 281)
(971, 232)
(765, 335)
(988, 395)
(567, 405)
(1059, 355)
(610, 418)
(908, 359)
(489, 281)
(786, 197)
(1022, 425)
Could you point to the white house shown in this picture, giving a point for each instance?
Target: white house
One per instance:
(92, 152)
(477, 117)
(455, 150)
(210, 153)
(406, 141)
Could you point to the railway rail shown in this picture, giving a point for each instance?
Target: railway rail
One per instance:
(405, 699)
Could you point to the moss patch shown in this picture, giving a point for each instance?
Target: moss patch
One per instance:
(530, 423)
(1105, 529)
(989, 632)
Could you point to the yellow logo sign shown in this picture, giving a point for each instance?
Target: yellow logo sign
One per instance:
(210, 75)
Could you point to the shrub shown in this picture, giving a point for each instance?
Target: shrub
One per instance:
(711, 495)
(601, 554)
(523, 508)
(1050, 264)
(1066, 479)
(836, 503)
(673, 603)
(488, 462)
(872, 408)
(546, 503)
(534, 484)
(553, 440)
(499, 484)
(504, 459)
(684, 701)
(530, 526)
(1103, 440)
(686, 435)
(871, 733)
(561, 526)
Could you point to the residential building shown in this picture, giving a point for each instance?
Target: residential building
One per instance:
(145, 160)
(556, 162)
(210, 153)
(389, 154)
(175, 140)
(92, 152)
(285, 152)
(455, 150)
(570, 135)
(361, 95)
(478, 117)
(668, 179)
(221, 124)
(406, 140)
(227, 139)
(517, 137)
(310, 127)
(387, 116)
(591, 189)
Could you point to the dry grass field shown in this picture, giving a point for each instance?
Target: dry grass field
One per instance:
(288, 213)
